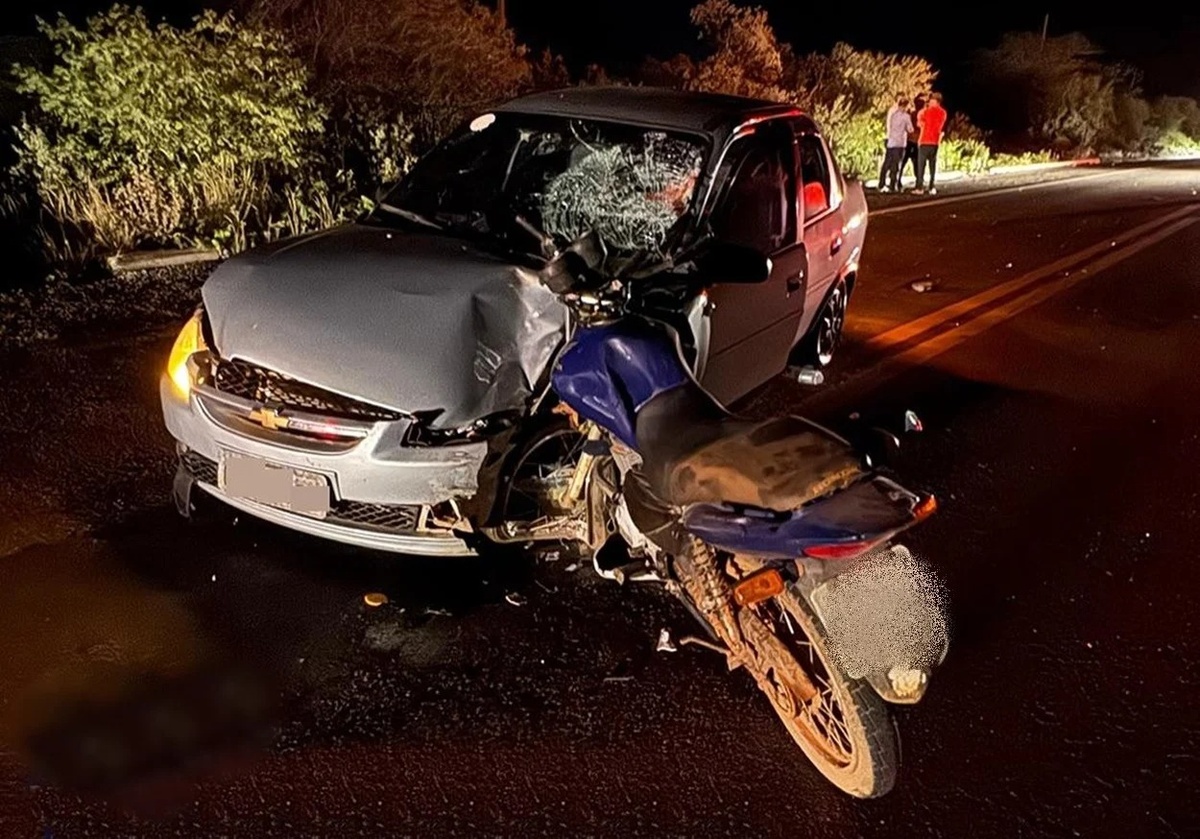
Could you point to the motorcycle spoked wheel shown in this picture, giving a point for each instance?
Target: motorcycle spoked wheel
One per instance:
(845, 731)
(542, 467)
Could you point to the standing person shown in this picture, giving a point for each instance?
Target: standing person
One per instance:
(910, 149)
(882, 184)
(899, 128)
(930, 122)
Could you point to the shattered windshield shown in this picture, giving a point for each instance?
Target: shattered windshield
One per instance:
(563, 176)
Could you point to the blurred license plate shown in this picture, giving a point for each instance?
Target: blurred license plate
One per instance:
(255, 479)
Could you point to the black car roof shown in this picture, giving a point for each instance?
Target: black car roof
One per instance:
(688, 111)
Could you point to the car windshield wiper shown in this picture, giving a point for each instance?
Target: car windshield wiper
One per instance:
(409, 215)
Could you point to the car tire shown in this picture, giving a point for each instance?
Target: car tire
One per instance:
(819, 346)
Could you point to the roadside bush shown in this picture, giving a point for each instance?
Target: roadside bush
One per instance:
(969, 156)
(960, 127)
(1175, 143)
(1176, 114)
(856, 138)
(142, 134)
(1022, 159)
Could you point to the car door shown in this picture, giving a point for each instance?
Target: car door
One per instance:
(753, 326)
(821, 211)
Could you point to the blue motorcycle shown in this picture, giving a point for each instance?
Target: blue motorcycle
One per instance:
(776, 534)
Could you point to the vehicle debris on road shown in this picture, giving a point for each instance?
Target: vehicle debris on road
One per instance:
(809, 376)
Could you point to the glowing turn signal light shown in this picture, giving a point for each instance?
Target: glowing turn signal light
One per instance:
(758, 587)
(925, 508)
(189, 342)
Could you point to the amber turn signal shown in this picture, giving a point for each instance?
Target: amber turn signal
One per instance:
(925, 508)
(758, 587)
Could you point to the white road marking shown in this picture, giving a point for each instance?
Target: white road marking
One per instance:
(989, 193)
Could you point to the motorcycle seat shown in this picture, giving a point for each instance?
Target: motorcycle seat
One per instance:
(696, 452)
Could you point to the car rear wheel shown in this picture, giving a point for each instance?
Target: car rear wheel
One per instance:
(825, 336)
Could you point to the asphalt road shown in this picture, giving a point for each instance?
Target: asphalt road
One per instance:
(1054, 368)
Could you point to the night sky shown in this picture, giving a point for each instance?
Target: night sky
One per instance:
(1164, 44)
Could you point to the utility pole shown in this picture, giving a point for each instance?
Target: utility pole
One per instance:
(503, 12)
(1045, 24)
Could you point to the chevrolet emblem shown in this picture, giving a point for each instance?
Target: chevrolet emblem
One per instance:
(269, 418)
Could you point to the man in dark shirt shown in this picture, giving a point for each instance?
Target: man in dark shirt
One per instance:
(910, 150)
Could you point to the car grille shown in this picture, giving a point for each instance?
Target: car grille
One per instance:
(199, 467)
(258, 384)
(392, 518)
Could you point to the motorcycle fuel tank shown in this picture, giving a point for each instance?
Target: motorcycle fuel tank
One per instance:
(611, 370)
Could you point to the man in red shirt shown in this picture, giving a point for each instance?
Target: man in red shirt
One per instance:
(930, 122)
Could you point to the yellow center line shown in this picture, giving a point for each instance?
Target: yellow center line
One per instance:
(907, 331)
(944, 341)
(862, 381)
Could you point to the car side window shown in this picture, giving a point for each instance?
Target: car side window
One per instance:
(818, 187)
(756, 204)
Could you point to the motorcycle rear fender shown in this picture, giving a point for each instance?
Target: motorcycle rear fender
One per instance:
(869, 511)
(899, 684)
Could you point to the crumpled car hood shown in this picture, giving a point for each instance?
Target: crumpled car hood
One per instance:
(410, 321)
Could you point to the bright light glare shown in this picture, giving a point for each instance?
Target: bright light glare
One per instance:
(190, 341)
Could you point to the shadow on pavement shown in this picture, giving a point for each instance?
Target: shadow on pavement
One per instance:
(263, 622)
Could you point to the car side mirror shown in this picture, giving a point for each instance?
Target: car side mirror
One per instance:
(728, 262)
(588, 251)
(882, 447)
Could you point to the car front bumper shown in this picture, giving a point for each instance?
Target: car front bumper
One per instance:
(384, 496)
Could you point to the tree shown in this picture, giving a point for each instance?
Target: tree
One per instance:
(677, 71)
(429, 61)
(868, 82)
(550, 72)
(1176, 114)
(848, 90)
(745, 58)
(1059, 91)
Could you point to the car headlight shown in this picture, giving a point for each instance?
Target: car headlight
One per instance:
(189, 342)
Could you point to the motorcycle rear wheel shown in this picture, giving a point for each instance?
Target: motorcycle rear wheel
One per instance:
(845, 731)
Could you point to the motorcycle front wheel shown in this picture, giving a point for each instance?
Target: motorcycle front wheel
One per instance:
(845, 729)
